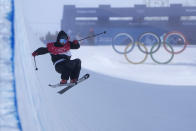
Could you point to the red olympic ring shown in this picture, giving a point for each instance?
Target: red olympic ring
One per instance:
(178, 33)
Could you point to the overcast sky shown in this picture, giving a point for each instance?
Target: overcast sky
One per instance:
(47, 14)
(121, 2)
(53, 8)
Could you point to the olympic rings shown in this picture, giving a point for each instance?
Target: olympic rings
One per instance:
(154, 40)
(122, 34)
(149, 40)
(140, 62)
(169, 36)
(166, 62)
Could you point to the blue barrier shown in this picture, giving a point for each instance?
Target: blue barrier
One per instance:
(9, 116)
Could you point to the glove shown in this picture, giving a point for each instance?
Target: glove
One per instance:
(75, 42)
(34, 54)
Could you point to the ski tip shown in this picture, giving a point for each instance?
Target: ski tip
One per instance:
(87, 75)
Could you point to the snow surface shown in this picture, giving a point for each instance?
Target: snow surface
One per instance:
(118, 96)
(103, 59)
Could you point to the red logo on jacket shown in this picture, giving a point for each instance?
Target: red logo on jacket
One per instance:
(58, 50)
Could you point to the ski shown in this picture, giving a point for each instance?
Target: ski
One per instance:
(59, 85)
(67, 84)
(86, 76)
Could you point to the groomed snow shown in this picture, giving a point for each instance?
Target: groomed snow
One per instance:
(103, 59)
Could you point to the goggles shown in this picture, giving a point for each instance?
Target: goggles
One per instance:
(63, 41)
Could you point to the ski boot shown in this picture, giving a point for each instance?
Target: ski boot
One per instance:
(63, 81)
(73, 80)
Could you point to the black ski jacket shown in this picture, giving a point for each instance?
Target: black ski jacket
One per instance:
(56, 57)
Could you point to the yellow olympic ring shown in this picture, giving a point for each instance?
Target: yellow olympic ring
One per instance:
(140, 62)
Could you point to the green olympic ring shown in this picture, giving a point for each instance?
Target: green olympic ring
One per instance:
(166, 62)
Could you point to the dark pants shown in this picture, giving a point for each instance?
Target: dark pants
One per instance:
(69, 68)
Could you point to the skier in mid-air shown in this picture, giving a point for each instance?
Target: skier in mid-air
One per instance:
(61, 57)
